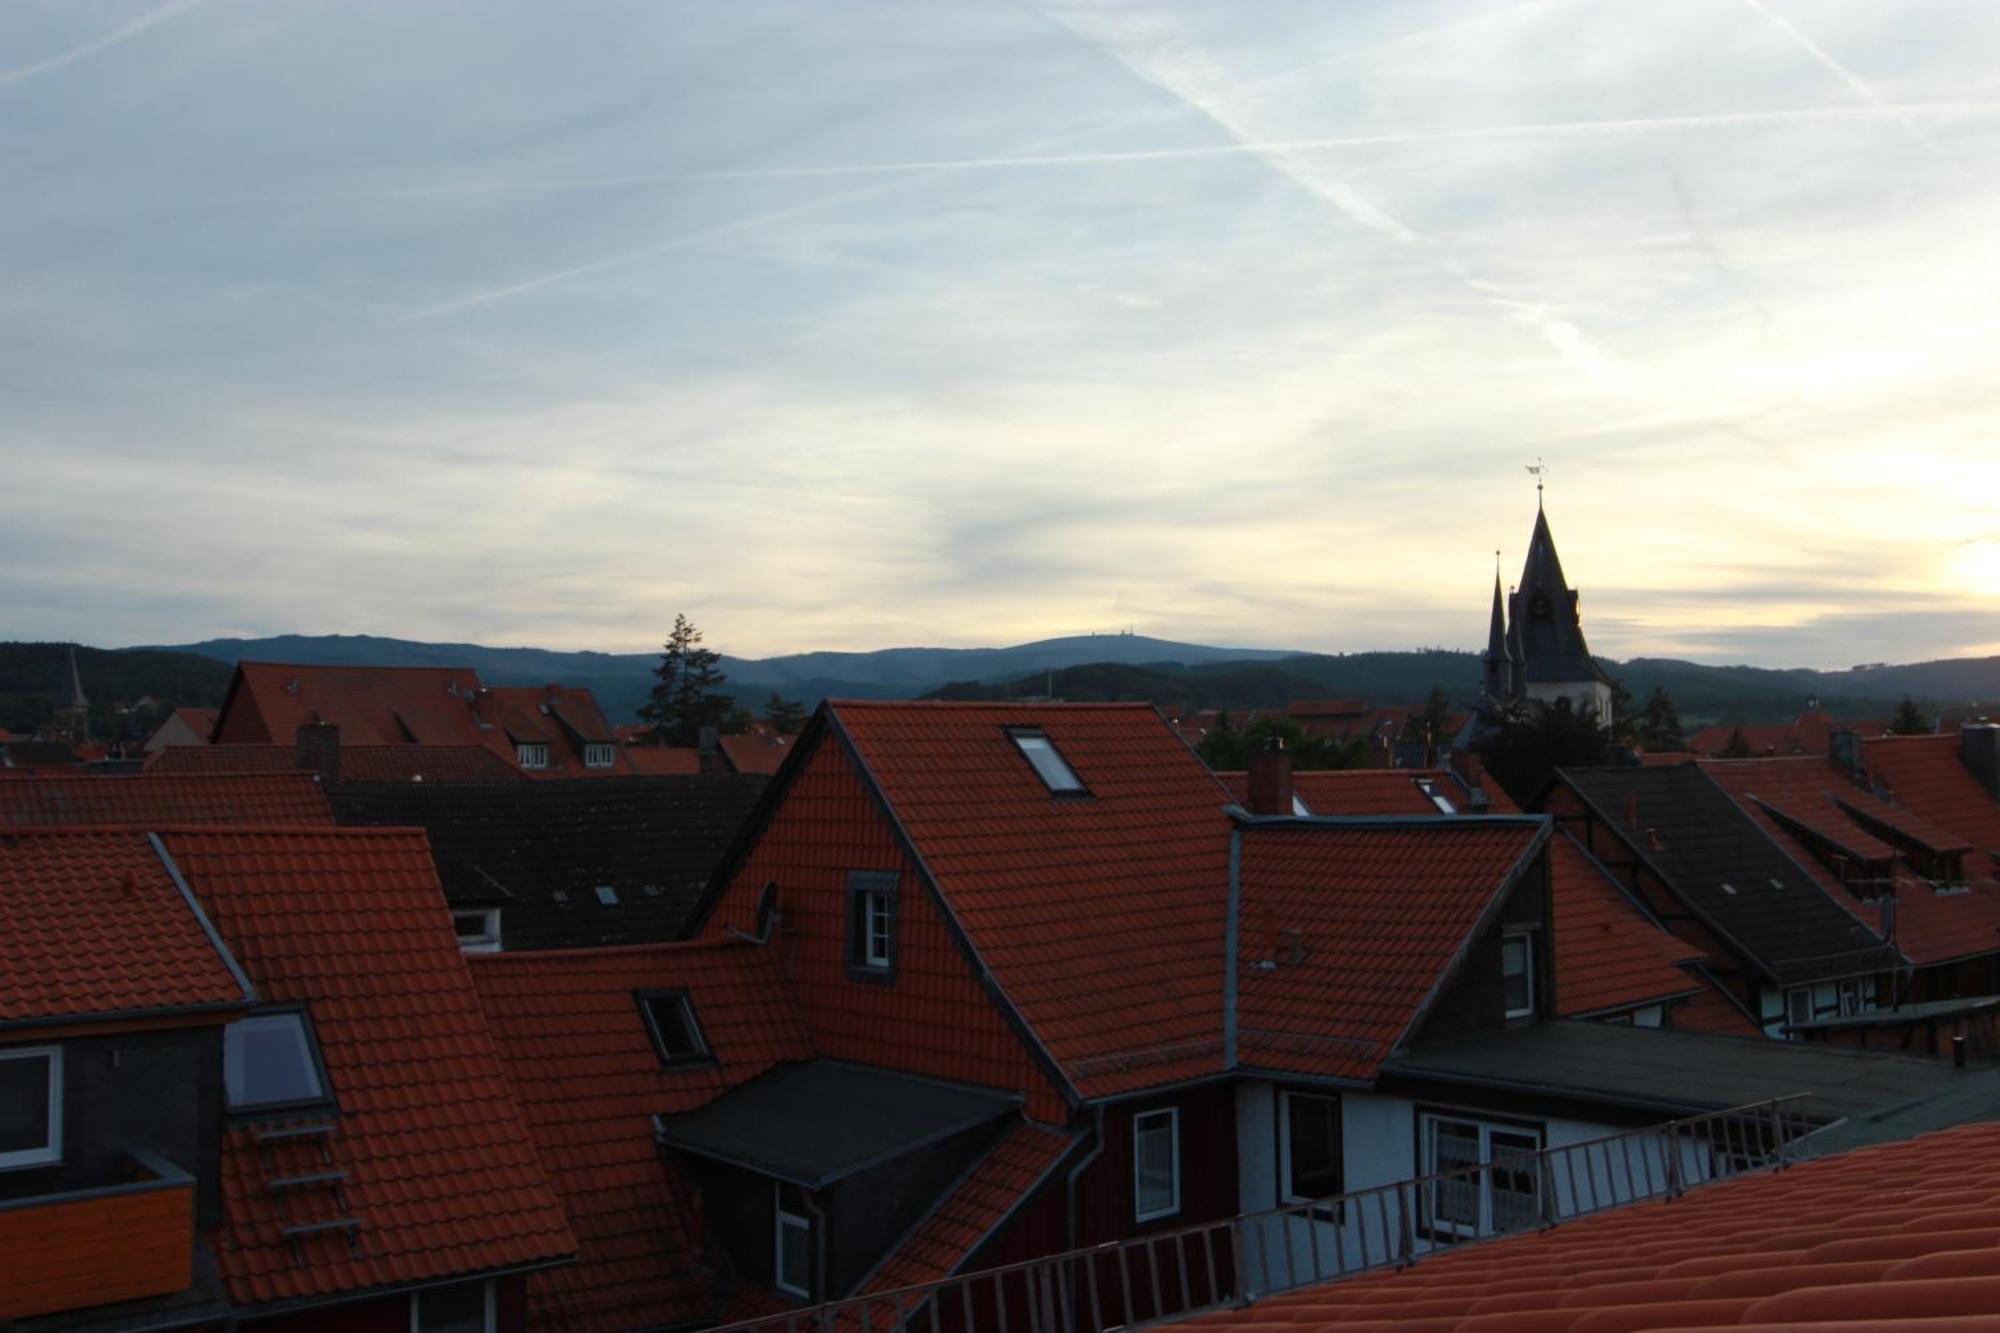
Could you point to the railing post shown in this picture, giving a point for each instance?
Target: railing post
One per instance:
(1239, 1288)
(1673, 1161)
(1546, 1173)
(1407, 1229)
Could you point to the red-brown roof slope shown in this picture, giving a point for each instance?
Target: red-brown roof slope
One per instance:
(1363, 791)
(269, 701)
(564, 718)
(1897, 1237)
(1925, 774)
(1805, 800)
(590, 1081)
(754, 752)
(441, 1168)
(95, 927)
(146, 801)
(358, 763)
(1382, 912)
(1100, 915)
(663, 760)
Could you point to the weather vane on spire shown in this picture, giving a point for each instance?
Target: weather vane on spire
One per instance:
(1540, 471)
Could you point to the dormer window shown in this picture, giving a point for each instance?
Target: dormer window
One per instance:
(600, 756)
(532, 756)
(1049, 765)
(270, 1062)
(478, 929)
(871, 924)
(671, 1023)
(30, 1106)
(1517, 974)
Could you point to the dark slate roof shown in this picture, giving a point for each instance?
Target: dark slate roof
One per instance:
(1723, 865)
(818, 1122)
(541, 850)
(1545, 624)
(1684, 1073)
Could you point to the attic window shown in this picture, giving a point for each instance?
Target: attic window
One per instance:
(670, 1021)
(1437, 798)
(271, 1062)
(607, 896)
(1050, 767)
(600, 756)
(31, 1106)
(532, 756)
(1300, 808)
(478, 929)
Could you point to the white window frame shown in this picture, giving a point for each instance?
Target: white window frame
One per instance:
(534, 756)
(232, 1057)
(1428, 1165)
(488, 938)
(878, 929)
(1056, 772)
(1140, 1125)
(786, 1219)
(490, 1316)
(51, 1151)
(1526, 939)
(597, 754)
(1285, 1099)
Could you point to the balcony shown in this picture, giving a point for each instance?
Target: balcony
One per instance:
(124, 1241)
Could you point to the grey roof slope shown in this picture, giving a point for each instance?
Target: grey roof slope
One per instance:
(541, 850)
(1689, 1073)
(817, 1122)
(1717, 859)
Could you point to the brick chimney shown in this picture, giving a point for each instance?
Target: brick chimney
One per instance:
(318, 750)
(1979, 750)
(1271, 780)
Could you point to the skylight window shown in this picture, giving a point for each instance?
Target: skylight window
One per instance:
(270, 1061)
(1049, 765)
(1300, 808)
(671, 1023)
(607, 895)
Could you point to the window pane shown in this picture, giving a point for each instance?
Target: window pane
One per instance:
(794, 1254)
(1516, 1193)
(1312, 1141)
(459, 1309)
(24, 1103)
(267, 1061)
(674, 1029)
(1517, 976)
(1048, 764)
(1153, 1165)
(1455, 1144)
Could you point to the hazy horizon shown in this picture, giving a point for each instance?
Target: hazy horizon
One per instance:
(966, 324)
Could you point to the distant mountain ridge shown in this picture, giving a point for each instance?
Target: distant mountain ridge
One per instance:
(1149, 668)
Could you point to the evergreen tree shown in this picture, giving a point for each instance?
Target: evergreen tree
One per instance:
(786, 716)
(687, 695)
(1431, 724)
(1229, 750)
(1909, 720)
(1660, 725)
(1625, 724)
(1530, 744)
(1737, 746)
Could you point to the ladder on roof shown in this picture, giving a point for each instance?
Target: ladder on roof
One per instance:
(307, 1185)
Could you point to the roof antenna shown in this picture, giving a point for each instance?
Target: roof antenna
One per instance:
(1540, 471)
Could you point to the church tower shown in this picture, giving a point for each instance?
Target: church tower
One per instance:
(1499, 683)
(1545, 644)
(71, 721)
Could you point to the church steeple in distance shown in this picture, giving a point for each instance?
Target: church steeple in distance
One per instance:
(1499, 665)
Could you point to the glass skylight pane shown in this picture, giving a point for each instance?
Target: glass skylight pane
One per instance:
(268, 1061)
(1048, 764)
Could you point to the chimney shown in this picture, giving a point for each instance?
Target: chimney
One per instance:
(708, 745)
(1979, 749)
(318, 750)
(1271, 780)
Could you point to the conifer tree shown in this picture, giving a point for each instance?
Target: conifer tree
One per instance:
(688, 693)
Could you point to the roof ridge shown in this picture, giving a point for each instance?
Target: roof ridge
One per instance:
(584, 953)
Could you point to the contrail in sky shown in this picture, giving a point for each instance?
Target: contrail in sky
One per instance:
(91, 48)
(1861, 87)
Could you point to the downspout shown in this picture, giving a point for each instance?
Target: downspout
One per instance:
(1230, 947)
(1075, 1172)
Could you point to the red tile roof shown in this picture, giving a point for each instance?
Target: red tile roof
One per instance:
(590, 1081)
(269, 701)
(1925, 774)
(1811, 733)
(358, 763)
(1897, 1237)
(972, 1212)
(1608, 956)
(1099, 915)
(756, 753)
(1381, 912)
(146, 801)
(663, 760)
(95, 927)
(442, 1170)
(1788, 796)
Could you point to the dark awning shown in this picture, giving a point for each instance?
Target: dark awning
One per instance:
(815, 1123)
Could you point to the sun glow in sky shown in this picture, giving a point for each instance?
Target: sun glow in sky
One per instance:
(861, 324)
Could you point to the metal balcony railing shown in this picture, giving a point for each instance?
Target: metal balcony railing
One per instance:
(1234, 1261)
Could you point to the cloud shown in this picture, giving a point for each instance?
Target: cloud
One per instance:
(62, 60)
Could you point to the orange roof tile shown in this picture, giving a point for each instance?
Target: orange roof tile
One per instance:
(148, 801)
(1099, 915)
(663, 760)
(590, 1081)
(1925, 774)
(358, 763)
(97, 927)
(1857, 1241)
(755, 753)
(1413, 891)
(441, 1169)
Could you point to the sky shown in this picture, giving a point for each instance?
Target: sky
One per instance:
(857, 324)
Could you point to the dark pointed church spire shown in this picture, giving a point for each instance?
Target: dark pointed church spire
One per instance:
(70, 697)
(1499, 665)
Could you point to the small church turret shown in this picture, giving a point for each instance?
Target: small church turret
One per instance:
(71, 721)
(1499, 664)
